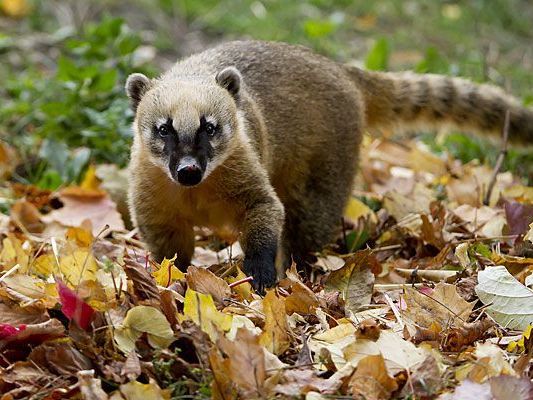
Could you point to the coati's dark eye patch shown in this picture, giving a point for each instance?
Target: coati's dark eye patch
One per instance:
(208, 127)
(165, 129)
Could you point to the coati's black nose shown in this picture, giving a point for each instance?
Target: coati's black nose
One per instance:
(189, 174)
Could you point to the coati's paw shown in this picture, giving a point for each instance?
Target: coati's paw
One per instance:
(263, 270)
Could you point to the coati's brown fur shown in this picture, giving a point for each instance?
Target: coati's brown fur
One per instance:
(280, 165)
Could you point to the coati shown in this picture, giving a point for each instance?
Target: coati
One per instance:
(264, 137)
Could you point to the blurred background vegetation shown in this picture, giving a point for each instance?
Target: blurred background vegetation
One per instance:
(64, 63)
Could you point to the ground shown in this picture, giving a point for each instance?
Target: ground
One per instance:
(424, 293)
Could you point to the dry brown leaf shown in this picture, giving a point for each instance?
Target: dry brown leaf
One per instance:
(354, 281)
(302, 300)
(371, 380)
(298, 382)
(26, 215)
(132, 367)
(443, 306)
(144, 285)
(222, 386)
(456, 338)
(246, 366)
(49, 330)
(275, 336)
(425, 381)
(204, 281)
(60, 357)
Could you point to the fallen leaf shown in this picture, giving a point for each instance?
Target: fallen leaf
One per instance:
(200, 308)
(354, 281)
(73, 306)
(443, 306)
(60, 357)
(508, 301)
(146, 391)
(244, 363)
(139, 320)
(167, 273)
(144, 285)
(204, 281)
(90, 387)
(371, 380)
(80, 206)
(399, 354)
(275, 336)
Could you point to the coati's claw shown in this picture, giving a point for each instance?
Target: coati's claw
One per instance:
(263, 272)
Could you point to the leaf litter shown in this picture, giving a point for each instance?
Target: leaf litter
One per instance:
(424, 294)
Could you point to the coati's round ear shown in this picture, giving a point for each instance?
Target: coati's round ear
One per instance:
(230, 79)
(136, 86)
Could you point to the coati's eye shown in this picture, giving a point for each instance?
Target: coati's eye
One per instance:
(163, 130)
(210, 129)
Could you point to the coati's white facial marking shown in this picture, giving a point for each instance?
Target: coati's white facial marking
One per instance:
(190, 127)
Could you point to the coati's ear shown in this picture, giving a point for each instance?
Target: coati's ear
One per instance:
(136, 86)
(230, 79)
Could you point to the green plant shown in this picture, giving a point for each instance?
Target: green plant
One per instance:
(78, 111)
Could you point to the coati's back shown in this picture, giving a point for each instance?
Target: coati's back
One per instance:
(302, 85)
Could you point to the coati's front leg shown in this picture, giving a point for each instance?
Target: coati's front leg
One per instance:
(167, 241)
(261, 234)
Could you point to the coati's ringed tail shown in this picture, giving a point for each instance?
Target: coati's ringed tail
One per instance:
(405, 100)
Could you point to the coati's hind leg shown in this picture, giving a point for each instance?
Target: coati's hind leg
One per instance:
(314, 214)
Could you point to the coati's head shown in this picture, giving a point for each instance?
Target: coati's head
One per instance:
(187, 126)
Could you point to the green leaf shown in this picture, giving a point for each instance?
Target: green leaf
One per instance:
(433, 62)
(105, 81)
(317, 28)
(377, 58)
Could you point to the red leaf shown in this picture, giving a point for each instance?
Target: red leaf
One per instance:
(73, 306)
(7, 330)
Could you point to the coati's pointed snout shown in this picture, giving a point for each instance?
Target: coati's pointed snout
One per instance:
(189, 172)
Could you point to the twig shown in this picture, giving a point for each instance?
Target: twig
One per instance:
(501, 157)
(240, 281)
(396, 286)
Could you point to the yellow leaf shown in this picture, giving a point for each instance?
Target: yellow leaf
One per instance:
(15, 252)
(78, 266)
(356, 209)
(200, 308)
(523, 194)
(244, 289)
(275, 336)
(44, 265)
(143, 319)
(82, 237)
(90, 181)
(167, 273)
(147, 391)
